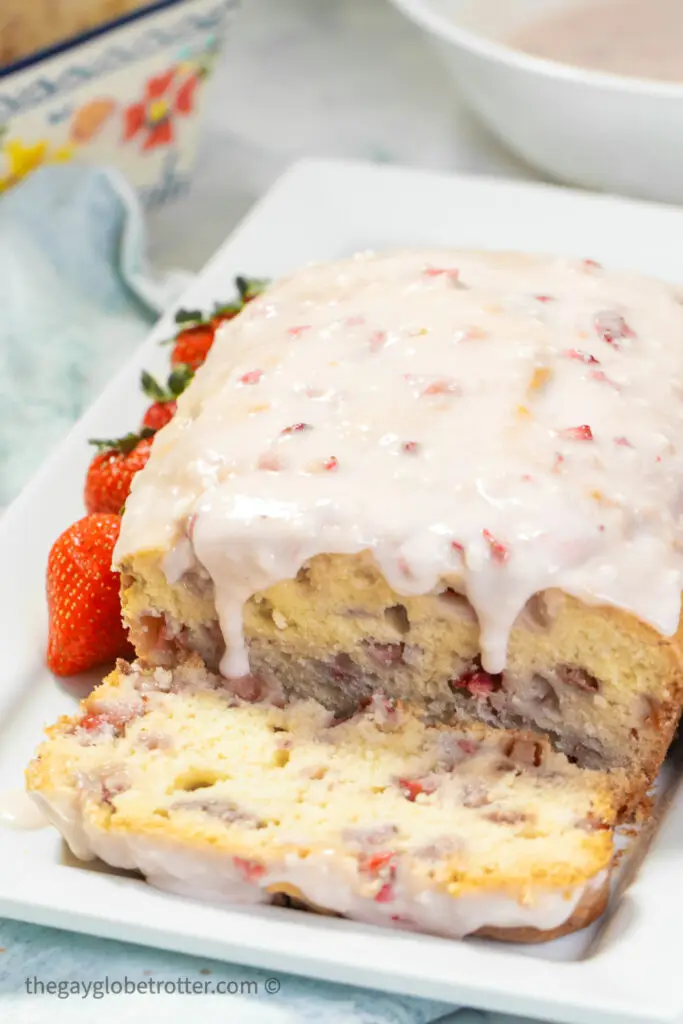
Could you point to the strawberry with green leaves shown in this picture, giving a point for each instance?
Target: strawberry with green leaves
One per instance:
(194, 339)
(196, 335)
(222, 313)
(111, 472)
(84, 607)
(250, 287)
(164, 399)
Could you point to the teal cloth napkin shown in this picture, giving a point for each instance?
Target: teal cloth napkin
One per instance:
(76, 296)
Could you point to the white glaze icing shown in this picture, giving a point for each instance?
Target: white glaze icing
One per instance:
(326, 879)
(540, 400)
(18, 811)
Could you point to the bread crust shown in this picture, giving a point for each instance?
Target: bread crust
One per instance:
(590, 907)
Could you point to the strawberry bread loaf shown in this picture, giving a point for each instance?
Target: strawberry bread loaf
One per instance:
(381, 818)
(454, 477)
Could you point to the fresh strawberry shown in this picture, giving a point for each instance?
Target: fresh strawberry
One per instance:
(196, 331)
(163, 408)
(84, 607)
(158, 415)
(111, 472)
(248, 288)
(192, 345)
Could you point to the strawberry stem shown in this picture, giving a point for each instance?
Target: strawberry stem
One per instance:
(227, 308)
(151, 388)
(189, 316)
(178, 380)
(250, 287)
(125, 444)
(247, 287)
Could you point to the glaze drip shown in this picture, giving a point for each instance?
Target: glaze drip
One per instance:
(508, 423)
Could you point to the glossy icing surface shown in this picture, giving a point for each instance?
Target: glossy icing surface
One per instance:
(508, 421)
(18, 811)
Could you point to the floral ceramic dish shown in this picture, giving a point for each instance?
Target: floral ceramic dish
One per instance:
(128, 93)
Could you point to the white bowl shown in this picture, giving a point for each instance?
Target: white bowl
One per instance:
(129, 94)
(601, 131)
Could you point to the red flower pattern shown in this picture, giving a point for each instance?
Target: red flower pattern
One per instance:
(166, 96)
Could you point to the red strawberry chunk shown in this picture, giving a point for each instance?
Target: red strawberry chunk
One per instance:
(376, 865)
(386, 894)
(269, 462)
(499, 551)
(451, 272)
(296, 428)
(251, 377)
(250, 688)
(582, 433)
(331, 463)
(623, 442)
(412, 788)
(441, 387)
(93, 722)
(478, 682)
(249, 870)
(612, 328)
(115, 716)
(602, 378)
(481, 684)
(468, 747)
(577, 353)
(410, 447)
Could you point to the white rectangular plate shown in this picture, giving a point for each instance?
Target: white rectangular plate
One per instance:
(623, 970)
